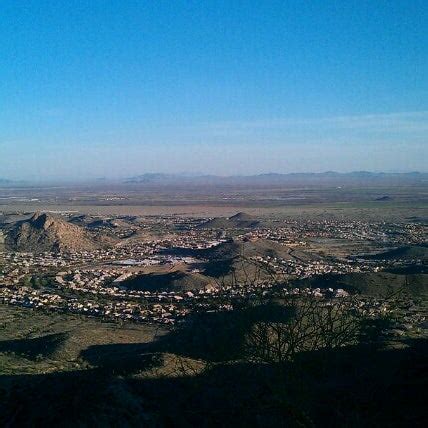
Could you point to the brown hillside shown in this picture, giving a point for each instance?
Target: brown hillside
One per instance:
(45, 232)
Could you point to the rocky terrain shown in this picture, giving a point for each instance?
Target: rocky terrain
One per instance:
(240, 220)
(44, 232)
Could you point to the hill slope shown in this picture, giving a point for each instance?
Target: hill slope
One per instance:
(412, 252)
(170, 281)
(44, 232)
(377, 284)
(237, 221)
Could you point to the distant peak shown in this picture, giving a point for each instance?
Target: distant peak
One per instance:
(241, 215)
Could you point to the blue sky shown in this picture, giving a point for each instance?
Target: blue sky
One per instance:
(117, 88)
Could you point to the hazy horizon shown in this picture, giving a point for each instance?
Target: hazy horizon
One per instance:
(188, 175)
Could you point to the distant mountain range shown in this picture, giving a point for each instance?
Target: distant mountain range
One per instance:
(329, 177)
(309, 178)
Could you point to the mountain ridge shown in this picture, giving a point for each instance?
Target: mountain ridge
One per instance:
(333, 176)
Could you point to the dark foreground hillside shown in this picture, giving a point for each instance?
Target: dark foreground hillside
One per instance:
(353, 387)
(201, 375)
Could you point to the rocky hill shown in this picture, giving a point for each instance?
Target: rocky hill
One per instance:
(237, 221)
(45, 232)
(377, 284)
(410, 252)
(170, 281)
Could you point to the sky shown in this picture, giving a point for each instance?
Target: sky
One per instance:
(113, 89)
